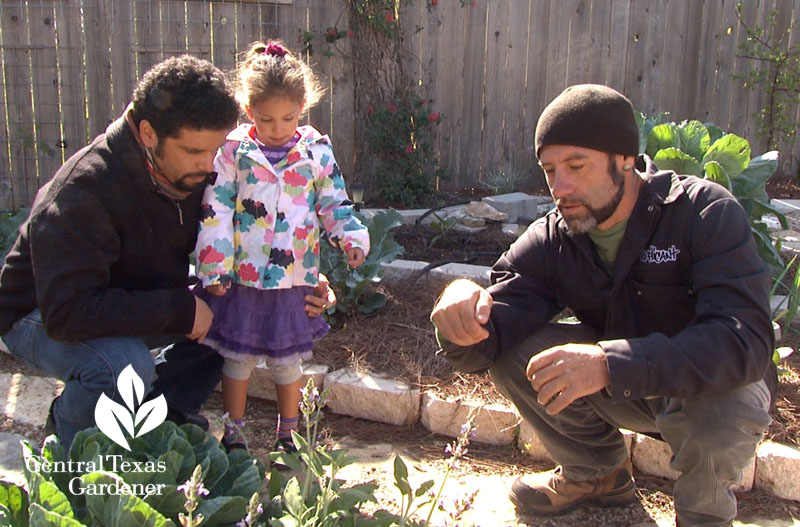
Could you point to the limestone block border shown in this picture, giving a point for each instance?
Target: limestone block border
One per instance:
(496, 424)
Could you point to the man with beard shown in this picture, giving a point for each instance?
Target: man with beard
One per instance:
(674, 338)
(99, 274)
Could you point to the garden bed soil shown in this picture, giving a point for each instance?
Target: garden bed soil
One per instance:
(427, 243)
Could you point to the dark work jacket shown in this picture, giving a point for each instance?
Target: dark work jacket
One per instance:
(686, 311)
(103, 253)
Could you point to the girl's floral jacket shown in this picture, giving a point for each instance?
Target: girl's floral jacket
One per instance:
(260, 223)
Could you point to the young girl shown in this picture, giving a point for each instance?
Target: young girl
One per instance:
(258, 245)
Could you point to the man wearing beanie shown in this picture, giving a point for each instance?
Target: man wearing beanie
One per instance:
(675, 336)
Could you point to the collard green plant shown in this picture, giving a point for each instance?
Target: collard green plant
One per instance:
(353, 285)
(100, 483)
(704, 150)
(442, 226)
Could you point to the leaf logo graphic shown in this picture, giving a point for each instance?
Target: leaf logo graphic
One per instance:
(109, 415)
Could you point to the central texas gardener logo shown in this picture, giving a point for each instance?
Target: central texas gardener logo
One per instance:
(109, 415)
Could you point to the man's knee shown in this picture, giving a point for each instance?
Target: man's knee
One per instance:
(111, 357)
(722, 427)
(510, 368)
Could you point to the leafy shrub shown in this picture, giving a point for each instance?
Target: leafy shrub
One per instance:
(401, 136)
(10, 222)
(170, 452)
(351, 285)
(704, 150)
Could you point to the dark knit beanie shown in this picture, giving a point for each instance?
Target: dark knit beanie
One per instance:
(592, 116)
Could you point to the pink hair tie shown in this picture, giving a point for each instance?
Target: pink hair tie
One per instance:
(275, 49)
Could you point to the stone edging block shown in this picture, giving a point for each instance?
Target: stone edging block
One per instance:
(494, 424)
(371, 397)
(263, 387)
(777, 469)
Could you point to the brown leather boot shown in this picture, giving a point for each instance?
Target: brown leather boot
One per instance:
(550, 493)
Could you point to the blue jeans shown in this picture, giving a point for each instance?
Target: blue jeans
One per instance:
(91, 367)
(713, 437)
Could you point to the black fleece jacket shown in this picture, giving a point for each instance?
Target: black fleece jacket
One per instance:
(686, 311)
(103, 253)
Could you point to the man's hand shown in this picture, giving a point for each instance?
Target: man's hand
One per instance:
(218, 289)
(461, 311)
(562, 374)
(202, 321)
(355, 257)
(323, 298)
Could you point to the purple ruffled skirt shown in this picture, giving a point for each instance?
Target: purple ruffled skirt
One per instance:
(263, 323)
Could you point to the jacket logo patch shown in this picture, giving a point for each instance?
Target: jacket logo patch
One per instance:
(657, 256)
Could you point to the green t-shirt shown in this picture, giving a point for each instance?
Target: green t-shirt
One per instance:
(607, 243)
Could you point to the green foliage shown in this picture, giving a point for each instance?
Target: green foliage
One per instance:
(705, 151)
(401, 137)
(775, 68)
(13, 505)
(352, 286)
(786, 310)
(318, 499)
(10, 222)
(442, 226)
(153, 495)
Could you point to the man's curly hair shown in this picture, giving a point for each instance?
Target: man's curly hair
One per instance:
(184, 92)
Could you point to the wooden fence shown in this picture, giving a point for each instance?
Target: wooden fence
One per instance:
(68, 67)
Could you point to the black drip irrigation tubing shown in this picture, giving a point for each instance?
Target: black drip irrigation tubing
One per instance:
(418, 221)
(433, 265)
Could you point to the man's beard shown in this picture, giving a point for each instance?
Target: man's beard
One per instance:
(594, 216)
(181, 183)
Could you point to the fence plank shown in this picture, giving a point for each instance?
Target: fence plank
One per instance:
(790, 10)
(600, 29)
(44, 74)
(473, 80)
(557, 45)
(6, 177)
(123, 71)
(97, 21)
(449, 87)
(618, 48)
(322, 16)
(519, 149)
(147, 29)
(343, 110)
(654, 60)
(198, 32)
(223, 31)
(494, 156)
(172, 22)
(426, 69)
(707, 63)
(536, 98)
(580, 20)
(71, 77)
(635, 56)
(725, 58)
(21, 134)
